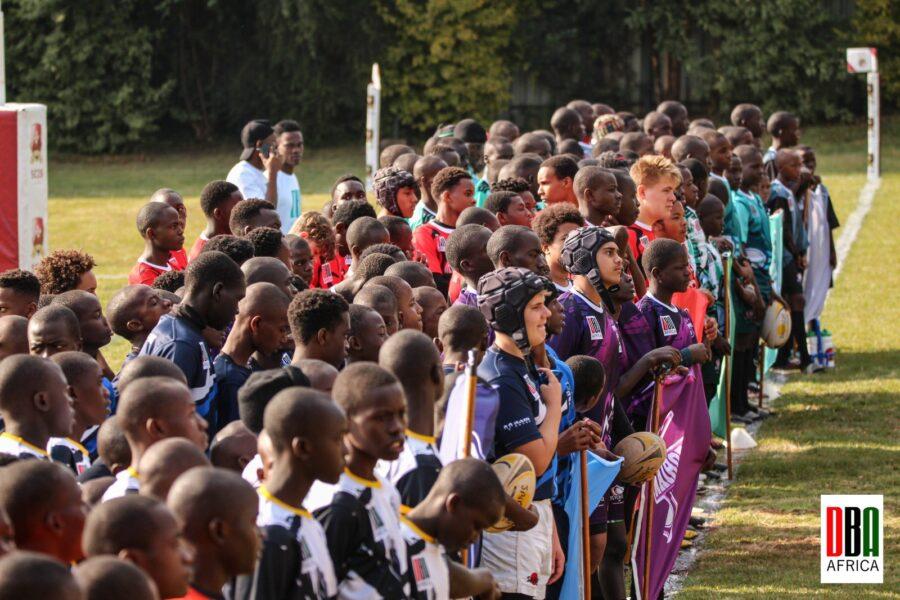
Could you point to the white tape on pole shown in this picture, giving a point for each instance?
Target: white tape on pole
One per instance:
(865, 60)
(373, 125)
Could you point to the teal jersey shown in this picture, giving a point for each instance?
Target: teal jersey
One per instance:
(753, 234)
(482, 187)
(421, 215)
(731, 225)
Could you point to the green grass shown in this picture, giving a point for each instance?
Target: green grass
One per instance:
(836, 433)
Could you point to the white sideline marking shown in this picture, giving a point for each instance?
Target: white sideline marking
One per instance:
(854, 223)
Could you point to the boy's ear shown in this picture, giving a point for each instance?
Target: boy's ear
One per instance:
(353, 341)
(135, 556)
(452, 502)
(300, 447)
(439, 345)
(501, 218)
(71, 390)
(254, 323)
(640, 191)
(321, 336)
(217, 289)
(217, 530)
(155, 428)
(40, 401)
(32, 308)
(504, 258)
(134, 325)
(340, 228)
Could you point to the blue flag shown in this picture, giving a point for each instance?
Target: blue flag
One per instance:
(601, 474)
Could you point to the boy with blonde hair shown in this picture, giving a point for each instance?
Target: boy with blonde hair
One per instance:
(656, 178)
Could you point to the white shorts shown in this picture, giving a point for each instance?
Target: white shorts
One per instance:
(521, 561)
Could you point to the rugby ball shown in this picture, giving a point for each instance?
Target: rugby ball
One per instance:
(643, 453)
(516, 474)
(776, 326)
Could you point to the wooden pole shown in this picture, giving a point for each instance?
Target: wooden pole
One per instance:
(729, 359)
(648, 537)
(585, 528)
(472, 382)
(762, 373)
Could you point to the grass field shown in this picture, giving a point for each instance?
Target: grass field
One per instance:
(835, 433)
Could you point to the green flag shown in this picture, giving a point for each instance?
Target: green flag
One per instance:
(776, 228)
(717, 409)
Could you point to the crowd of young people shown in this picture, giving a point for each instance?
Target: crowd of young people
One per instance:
(282, 426)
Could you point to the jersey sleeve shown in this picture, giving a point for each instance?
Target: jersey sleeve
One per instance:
(276, 571)
(515, 421)
(185, 356)
(426, 243)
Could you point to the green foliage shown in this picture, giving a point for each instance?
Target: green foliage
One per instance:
(877, 23)
(446, 59)
(91, 63)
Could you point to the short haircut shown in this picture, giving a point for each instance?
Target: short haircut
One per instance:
(61, 270)
(347, 212)
(107, 577)
(465, 242)
(59, 314)
(473, 480)
(377, 297)
(267, 241)
(25, 574)
(687, 146)
(210, 268)
(589, 178)
(390, 249)
(171, 281)
(412, 272)
(633, 140)
(710, 202)
(698, 169)
(650, 169)
(260, 388)
(112, 446)
(164, 461)
(410, 356)
(744, 111)
(589, 378)
(390, 154)
(547, 222)
(245, 212)
(149, 215)
(563, 166)
(498, 202)
(146, 365)
(778, 121)
(373, 265)
(470, 132)
(356, 381)
(122, 523)
(364, 232)
(75, 365)
(214, 194)
(312, 310)
(21, 282)
(28, 490)
(152, 399)
(286, 126)
(513, 184)
(476, 215)
(342, 179)
(660, 254)
(236, 248)
(612, 160)
(462, 327)
(358, 314)
(504, 240)
(564, 118)
(447, 179)
(391, 282)
(394, 224)
(294, 412)
(21, 377)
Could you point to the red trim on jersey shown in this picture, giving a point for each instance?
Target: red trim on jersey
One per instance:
(431, 239)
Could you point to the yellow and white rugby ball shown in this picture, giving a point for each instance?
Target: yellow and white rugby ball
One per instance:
(516, 474)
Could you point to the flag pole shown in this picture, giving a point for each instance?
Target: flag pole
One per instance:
(585, 528)
(728, 365)
(472, 383)
(762, 373)
(648, 531)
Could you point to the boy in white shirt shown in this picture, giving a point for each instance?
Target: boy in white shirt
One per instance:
(256, 173)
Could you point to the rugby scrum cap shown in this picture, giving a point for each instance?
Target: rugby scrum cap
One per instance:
(502, 297)
(579, 257)
(387, 182)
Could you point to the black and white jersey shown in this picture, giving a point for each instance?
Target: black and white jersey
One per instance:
(126, 483)
(361, 518)
(294, 563)
(415, 470)
(70, 453)
(16, 446)
(429, 574)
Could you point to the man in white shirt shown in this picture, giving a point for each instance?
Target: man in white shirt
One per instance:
(256, 174)
(290, 150)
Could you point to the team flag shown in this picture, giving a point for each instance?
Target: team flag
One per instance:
(487, 404)
(776, 227)
(601, 474)
(718, 415)
(684, 427)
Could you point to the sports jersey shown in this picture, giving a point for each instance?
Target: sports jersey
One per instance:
(482, 190)
(421, 215)
(230, 376)
(431, 240)
(147, 272)
(197, 248)
(294, 562)
(195, 594)
(16, 446)
(428, 570)
(361, 518)
(563, 461)
(730, 220)
(487, 405)
(522, 410)
(289, 200)
(178, 259)
(695, 241)
(127, 482)
(590, 331)
(456, 285)
(329, 274)
(178, 336)
(415, 470)
(753, 231)
(70, 453)
(795, 241)
(639, 237)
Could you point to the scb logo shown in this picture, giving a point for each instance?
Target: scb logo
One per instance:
(852, 539)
